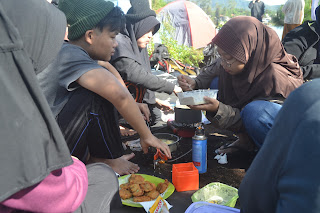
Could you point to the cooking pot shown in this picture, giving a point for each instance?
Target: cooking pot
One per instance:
(174, 140)
(183, 114)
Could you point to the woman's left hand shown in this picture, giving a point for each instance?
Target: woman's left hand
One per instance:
(211, 105)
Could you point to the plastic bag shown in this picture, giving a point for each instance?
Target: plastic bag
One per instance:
(218, 193)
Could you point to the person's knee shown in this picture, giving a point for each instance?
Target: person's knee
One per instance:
(101, 172)
(258, 118)
(252, 113)
(103, 189)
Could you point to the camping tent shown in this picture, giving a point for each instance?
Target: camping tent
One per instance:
(193, 27)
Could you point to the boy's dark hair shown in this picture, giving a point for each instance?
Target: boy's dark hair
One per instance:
(114, 21)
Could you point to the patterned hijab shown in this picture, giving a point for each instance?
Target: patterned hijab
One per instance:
(269, 71)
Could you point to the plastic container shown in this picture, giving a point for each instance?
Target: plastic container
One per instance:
(217, 193)
(202, 207)
(185, 177)
(195, 97)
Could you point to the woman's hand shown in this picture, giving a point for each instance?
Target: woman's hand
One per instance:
(155, 142)
(145, 111)
(163, 105)
(211, 105)
(186, 83)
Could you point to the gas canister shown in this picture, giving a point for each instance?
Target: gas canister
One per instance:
(199, 149)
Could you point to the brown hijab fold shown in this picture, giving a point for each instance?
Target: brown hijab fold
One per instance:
(269, 71)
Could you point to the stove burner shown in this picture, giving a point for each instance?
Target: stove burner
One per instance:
(183, 125)
(183, 130)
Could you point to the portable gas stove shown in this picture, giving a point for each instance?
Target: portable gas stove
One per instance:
(182, 129)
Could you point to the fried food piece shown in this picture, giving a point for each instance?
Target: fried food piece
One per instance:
(125, 186)
(141, 199)
(125, 194)
(152, 194)
(162, 187)
(136, 190)
(136, 179)
(147, 186)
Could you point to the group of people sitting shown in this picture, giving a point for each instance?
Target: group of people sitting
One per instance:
(61, 145)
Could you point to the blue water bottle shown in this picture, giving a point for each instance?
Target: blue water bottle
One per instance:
(199, 150)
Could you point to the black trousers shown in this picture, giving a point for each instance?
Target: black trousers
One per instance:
(90, 123)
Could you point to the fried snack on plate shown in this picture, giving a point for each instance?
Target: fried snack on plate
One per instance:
(152, 194)
(125, 194)
(147, 186)
(141, 199)
(162, 187)
(125, 186)
(136, 190)
(136, 179)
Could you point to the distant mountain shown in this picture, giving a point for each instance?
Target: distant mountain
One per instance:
(242, 4)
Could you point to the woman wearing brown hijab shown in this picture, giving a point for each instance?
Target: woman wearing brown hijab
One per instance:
(255, 76)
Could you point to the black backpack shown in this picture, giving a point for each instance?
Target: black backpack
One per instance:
(160, 56)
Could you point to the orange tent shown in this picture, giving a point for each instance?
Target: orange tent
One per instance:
(193, 27)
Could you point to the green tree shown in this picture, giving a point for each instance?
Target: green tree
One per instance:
(217, 15)
(231, 8)
(278, 18)
(307, 10)
(205, 5)
(182, 53)
(157, 4)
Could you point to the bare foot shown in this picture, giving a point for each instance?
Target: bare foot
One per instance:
(124, 131)
(121, 165)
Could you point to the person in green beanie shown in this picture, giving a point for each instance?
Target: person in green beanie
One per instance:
(84, 95)
(132, 61)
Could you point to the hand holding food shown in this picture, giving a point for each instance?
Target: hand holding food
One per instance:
(186, 83)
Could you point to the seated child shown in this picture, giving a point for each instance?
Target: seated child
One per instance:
(83, 95)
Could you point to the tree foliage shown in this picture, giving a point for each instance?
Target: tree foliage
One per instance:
(182, 53)
(307, 10)
(157, 4)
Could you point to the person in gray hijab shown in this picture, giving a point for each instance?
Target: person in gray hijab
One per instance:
(34, 156)
(132, 61)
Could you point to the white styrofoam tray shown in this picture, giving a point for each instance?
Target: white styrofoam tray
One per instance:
(195, 97)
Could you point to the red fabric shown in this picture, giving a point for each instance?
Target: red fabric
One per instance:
(61, 191)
